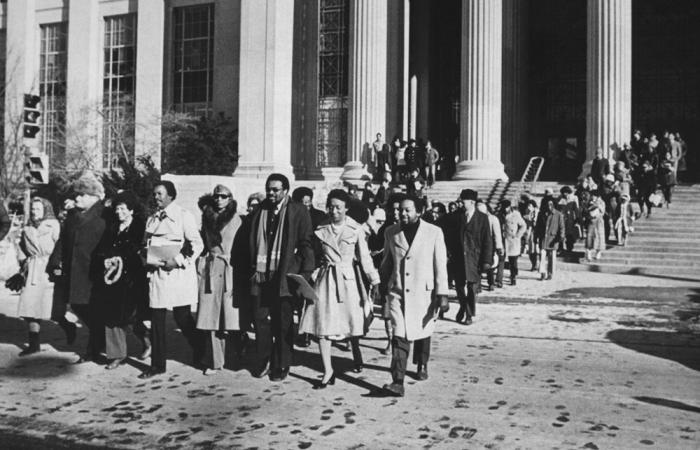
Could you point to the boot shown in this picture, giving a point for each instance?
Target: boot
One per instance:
(33, 346)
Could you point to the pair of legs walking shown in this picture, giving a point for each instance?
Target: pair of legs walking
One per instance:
(324, 346)
(115, 342)
(185, 321)
(466, 294)
(401, 347)
(274, 333)
(547, 263)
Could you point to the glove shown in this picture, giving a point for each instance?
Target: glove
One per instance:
(485, 267)
(442, 303)
(500, 252)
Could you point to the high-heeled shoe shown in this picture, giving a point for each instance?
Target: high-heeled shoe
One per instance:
(322, 385)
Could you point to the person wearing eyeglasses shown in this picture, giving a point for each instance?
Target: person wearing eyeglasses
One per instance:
(216, 313)
(279, 245)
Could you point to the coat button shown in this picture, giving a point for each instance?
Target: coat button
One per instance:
(408, 290)
(408, 274)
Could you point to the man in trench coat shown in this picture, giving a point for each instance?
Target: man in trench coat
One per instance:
(414, 281)
(470, 232)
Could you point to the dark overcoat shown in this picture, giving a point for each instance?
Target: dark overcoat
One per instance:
(75, 253)
(297, 255)
(549, 230)
(474, 241)
(129, 295)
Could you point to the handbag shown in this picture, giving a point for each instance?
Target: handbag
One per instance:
(656, 198)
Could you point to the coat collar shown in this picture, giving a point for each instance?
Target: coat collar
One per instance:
(325, 233)
(400, 239)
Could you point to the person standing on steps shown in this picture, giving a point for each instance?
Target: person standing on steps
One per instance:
(38, 240)
(414, 280)
(470, 233)
(173, 278)
(549, 233)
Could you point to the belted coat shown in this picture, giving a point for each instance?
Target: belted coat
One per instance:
(414, 275)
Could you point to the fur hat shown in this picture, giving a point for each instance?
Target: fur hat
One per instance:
(89, 185)
(469, 194)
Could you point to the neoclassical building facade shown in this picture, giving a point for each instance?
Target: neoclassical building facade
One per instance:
(309, 83)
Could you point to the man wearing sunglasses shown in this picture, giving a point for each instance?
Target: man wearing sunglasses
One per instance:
(280, 244)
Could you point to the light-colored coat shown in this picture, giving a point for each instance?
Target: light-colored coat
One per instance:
(414, 277)
(37, 244)
(340, 308)
(514, 228)
(178, 287)
(215, 310)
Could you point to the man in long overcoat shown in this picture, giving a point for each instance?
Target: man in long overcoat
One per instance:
(414, 280)
(74, 258)
(470, 232)
(279, 244)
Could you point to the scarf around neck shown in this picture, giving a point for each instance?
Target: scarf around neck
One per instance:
(266, 268)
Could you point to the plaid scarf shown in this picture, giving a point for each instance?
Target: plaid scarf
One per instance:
(265, 268)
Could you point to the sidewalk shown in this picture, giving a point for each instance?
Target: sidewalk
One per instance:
(583, 361)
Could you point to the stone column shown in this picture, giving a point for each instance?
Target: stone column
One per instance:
(84, 82)
(149, 78)
(480, 105)
(367, 114)
(265, 89)
(514, 151)
(20, 73)
(609, 75)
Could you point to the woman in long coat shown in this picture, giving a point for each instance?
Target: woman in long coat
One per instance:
(514, 228)
(595, 235)
(38, 240)
(340, 310)
(126, 287)
(216, 313)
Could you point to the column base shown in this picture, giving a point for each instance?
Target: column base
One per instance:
(354, 171)
(261, 170)
(480, 170)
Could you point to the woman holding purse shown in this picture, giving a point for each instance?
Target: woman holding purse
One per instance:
(339, 312)
(38, 240)
(126, 291)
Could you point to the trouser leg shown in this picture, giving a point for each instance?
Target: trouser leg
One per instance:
(115, 342)
(491, 276)
(158, 338)
(187, 325)
(356, 352)
(471, 299)
(500, 269)
(513, 263)
(90, 316)
(263, 332)
(421, 351)
(399, 357)
(533, 259)
(142, 334)
(217, 343)
(552, 261)
(282, 318)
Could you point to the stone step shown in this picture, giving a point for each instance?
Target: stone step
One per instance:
(611, 258)
(660, 253)
(666, 235)
(685, 273)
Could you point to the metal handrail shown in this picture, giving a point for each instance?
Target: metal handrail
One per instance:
(535, 161)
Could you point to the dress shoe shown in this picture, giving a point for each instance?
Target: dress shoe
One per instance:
(280, 375)
(512, 282)
(499, 285)
(422, 373)
(394, 389)
(358, 368)
(322, 385)
(210, 371)
(489, 287)
(113, 364)
(468, 321)
(150, 373)
(543, 277)
(263, 372)
(460, 314)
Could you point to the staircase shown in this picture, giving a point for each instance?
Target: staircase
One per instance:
(492, 191)
(666, 245)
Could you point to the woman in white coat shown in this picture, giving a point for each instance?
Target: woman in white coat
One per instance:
(38, 240)
(339, 311)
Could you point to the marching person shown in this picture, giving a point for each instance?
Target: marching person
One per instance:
(495, 273)
(218, 312)
(172, 232)
(279, 244)
(126, 286)
(549, 233)
(74, 259)
(38, 240)
(414, 280)
(514, 228)
(470, 233)
(342, 302)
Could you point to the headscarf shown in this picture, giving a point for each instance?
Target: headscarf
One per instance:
(48, 211)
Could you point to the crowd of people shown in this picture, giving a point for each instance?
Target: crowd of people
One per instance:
(291, 273)
(400, 158)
